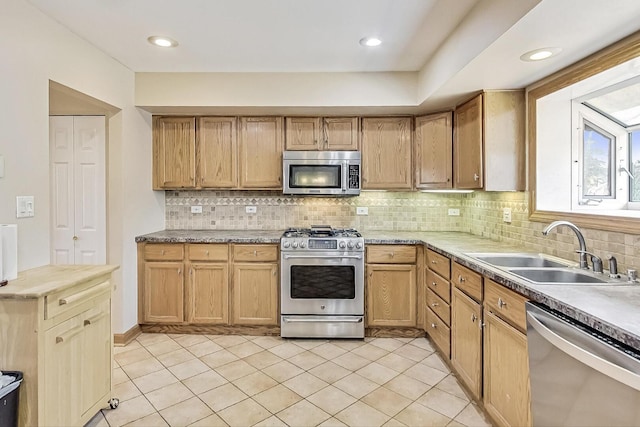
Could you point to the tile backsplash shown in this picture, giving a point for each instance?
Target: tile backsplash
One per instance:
(480, 214)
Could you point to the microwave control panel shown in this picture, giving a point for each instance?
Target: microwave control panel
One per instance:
(354, 176)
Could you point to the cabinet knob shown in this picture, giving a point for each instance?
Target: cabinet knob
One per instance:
(433, 261)
(476, 177)
(179, 271)
(255, 253)
(162, 252)
(433, 325)
(474, 317)
(75, 237)
(206, 252)
(435, 304)
(392, 254)
(461, 279)
(501, 303)
(434, 284)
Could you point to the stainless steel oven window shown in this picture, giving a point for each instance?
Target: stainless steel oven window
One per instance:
(323, 282)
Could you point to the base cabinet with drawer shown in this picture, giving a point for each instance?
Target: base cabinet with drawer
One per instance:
(391, 288)
(437, 301)
(208, 284)
(56, 326)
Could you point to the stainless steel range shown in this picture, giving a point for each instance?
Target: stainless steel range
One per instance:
(322, 283)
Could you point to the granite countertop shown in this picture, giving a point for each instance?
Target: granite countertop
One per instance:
(610, 309)
(41, 281)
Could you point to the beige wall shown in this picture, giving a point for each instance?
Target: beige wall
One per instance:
(35, 50)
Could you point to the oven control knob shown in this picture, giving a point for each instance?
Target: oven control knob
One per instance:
(303, 244)
(359, 245)
(342, 245)
(286, 244)
(350, 245)
(294, 244)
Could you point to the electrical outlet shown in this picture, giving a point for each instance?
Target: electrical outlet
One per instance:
(362, 211)
(251, 209)
(454, 212)
(196, 209)
(506, 214)
(24, 206)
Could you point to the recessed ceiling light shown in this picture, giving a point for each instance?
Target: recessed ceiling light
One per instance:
(540, 54)
(370, 41)
(162, 41)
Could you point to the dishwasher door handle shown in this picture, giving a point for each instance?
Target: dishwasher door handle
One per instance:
(603, 366)
(323, 319)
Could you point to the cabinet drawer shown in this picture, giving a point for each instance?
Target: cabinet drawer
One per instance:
(439, 285)
(163, 252)
(466, 280)
(439, 307)
(209, 252)
(67, 299)
(439, 332)
(255, 253)
(439, 263)
(506, 304)
(391, 254)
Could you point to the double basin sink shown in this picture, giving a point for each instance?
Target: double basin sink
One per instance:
(544, 270)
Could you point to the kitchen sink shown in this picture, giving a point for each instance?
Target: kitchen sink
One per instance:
(512, 260)
(556, 275)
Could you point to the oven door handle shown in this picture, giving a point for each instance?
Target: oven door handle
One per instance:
(287, 256)
(359, 319)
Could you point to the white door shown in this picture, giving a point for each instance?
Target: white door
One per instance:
(78, 192)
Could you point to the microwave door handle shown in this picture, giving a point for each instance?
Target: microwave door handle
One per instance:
(345, 177)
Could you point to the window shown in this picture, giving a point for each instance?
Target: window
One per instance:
(597, 157)
(634, 166)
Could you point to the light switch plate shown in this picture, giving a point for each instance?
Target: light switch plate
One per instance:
(24, 206)
(454, 212)
(196, 209)
(251, 209)
(362, 210)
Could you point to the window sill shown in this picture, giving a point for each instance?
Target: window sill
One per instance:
(623, 221)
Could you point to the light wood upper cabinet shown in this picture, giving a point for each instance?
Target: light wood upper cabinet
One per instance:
(433, 150)
(174, 146)
(217, 152)
(261, 143)
(322, 133)
(466, 340)
(489, 143)
(386, 153)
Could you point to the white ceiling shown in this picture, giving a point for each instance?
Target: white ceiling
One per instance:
(466, 44)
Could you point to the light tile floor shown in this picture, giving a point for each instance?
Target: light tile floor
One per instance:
(229, 380)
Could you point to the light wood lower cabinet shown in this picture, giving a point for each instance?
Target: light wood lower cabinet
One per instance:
(59, 336)
(255, 293)
(208, 284)
(506, 373)
(466, 340)
(391, 286)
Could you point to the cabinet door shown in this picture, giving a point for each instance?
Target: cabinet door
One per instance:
(433, 151)
(163, 292)
(217, 152)
(261, 143)
(506, 373)
(341, 133)
(174, 152)
(63, 354)
(391, 295)
(255, 294)
(96, 360)
(466, 340)
(386, 153)
(303, 133)
(208, 293)
(468, 145)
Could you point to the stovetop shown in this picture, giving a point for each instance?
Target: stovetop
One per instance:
(324, 232)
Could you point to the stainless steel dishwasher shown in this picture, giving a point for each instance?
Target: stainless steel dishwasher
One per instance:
(579, 377)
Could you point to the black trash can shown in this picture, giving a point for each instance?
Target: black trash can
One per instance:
(9, 400)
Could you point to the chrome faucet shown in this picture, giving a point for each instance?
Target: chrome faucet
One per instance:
(583, 246)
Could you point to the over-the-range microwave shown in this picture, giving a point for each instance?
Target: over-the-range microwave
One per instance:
(321, 173)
